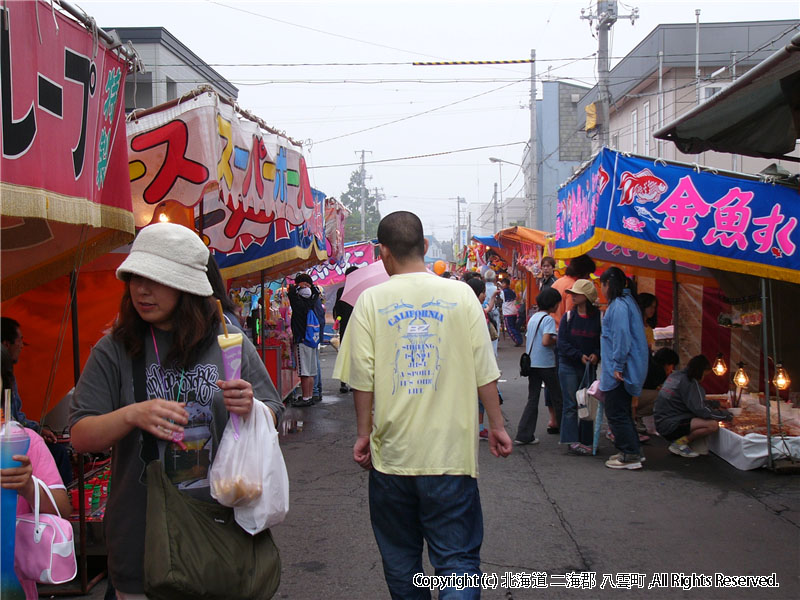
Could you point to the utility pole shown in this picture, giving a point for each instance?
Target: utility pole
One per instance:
(363, 210)
(697, 55)
(606, 16)
(495, 207)
(533, 154)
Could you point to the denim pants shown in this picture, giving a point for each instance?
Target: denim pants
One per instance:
(526, 430)
(511, 328)
(620, 421)
(444, 511)
(572, 428)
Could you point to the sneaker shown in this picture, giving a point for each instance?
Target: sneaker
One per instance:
(531, 443)
(579, 449)
(625, 461)
(344, 388)
(619, 455)
(316, 399)
(700, 445)
(484, 434)
(301, 402)
(682, 450)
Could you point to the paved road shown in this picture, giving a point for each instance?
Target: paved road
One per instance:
(546, 514)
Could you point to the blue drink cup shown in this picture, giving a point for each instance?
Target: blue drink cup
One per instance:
(13, 440)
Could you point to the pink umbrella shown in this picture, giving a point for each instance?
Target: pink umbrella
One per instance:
(362, 279)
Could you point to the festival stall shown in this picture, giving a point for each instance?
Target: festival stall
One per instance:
(734, 224)
(66, 201)
(245, 187)
(522, 249)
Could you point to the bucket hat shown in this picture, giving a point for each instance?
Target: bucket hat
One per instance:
(169, 254)
(585, 287)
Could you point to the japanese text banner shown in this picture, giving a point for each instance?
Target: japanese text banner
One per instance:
(248, 191)
(64, 178)
(712, 220)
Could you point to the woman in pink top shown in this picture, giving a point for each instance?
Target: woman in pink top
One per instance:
(39, 463)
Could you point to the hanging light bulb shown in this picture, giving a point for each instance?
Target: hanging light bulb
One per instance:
(781, 379)
(719, 368)
(741, 379)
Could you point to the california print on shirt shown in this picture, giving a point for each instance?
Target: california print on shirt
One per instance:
(416, 360)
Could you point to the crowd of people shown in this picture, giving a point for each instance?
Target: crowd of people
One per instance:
(419, 357)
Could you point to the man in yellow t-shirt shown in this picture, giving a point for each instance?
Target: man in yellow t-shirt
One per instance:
(419, 355)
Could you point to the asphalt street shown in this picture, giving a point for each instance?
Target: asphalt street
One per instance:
(555, 525)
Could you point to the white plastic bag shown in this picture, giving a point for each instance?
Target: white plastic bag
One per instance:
(271, 506)
(235, 477)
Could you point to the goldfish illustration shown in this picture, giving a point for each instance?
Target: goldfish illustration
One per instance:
(645, 214)
(642, 187)
(602, 179)
(633, 224)
(777, 253)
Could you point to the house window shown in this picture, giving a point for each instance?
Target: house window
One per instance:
(634, 132)
(647, 129)
(615, 141)
(710, 91)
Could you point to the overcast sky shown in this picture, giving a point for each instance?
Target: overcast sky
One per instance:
(328, 105)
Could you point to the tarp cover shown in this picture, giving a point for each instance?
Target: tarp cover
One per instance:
(677, 213)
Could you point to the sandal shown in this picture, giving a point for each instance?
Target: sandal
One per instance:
(553, 430)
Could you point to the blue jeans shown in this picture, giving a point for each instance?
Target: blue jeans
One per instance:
(444, 511)
(620, 421)
(572, 428)
(511, 328)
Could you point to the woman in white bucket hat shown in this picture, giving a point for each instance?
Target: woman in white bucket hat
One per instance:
(165, 337)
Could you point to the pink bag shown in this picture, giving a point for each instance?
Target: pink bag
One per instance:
(45, 550)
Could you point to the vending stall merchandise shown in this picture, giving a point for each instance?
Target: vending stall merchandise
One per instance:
(243, 186)
(737, 225)
(65, 200)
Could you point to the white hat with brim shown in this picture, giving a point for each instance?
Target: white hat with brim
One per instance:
(586, 288)
(169, 254)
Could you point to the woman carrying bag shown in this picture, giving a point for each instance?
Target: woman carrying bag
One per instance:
(624, 366)
(578, 355)
(153, 390)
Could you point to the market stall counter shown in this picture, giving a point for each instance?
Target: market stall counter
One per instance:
(743, 442)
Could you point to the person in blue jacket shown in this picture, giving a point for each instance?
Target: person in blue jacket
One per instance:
(623, 369)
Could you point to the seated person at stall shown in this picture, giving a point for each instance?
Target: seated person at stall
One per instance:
(12, 344)
(660, 366)
(681, 414)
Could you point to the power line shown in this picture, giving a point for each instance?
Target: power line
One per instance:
(420, 113)
(385, 160)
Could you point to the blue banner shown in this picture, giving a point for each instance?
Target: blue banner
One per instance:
(675, 212)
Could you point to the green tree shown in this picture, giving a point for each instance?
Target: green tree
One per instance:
(352, 200)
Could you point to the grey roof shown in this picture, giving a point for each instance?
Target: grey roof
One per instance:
(159, 35)
(754, 116)
(677, 42)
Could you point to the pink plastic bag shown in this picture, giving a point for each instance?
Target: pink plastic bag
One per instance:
(45, 549)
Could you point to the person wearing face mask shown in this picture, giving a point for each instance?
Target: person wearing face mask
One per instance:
(303, 296)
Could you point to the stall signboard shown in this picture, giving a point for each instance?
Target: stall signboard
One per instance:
(677, 213)
(358, 255)
(247, 189)
(335, 217)
(64, 177)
